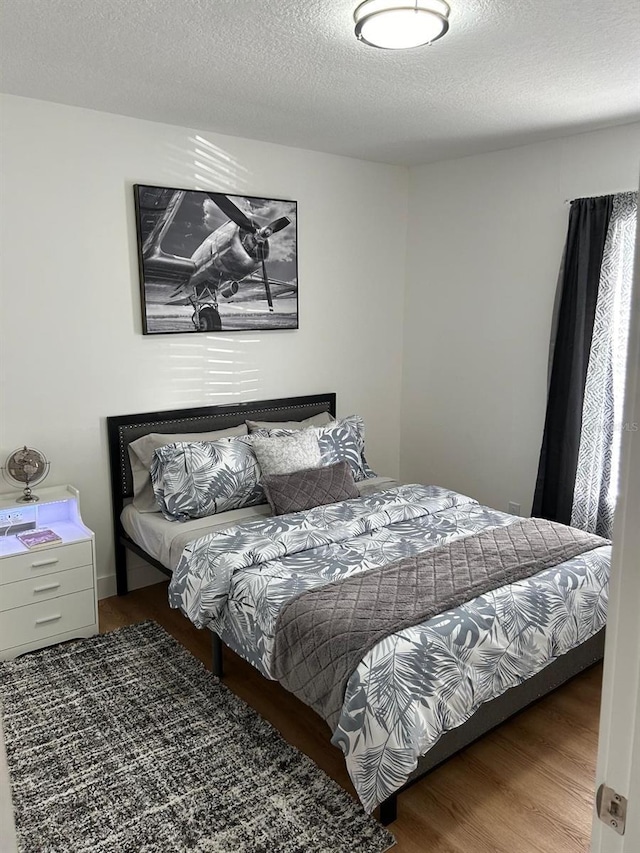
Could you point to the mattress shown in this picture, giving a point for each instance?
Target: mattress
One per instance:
(165, 540)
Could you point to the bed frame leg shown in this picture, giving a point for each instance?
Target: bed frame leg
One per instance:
(216, 655)
(122, 583)
(389, 810)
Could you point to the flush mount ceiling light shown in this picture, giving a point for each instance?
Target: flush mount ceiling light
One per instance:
(397, 25)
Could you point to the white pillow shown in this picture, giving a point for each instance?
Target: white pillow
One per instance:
(322, 419)
(288, 453)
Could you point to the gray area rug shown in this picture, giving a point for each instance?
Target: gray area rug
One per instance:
(126, 743)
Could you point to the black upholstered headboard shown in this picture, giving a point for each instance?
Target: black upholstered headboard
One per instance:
(123, 429)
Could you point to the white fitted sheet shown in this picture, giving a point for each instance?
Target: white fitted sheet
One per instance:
(166, 540)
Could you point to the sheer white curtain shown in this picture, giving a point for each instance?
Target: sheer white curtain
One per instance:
(595, 492)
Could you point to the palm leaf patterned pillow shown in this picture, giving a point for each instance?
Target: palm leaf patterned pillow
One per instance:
(200, 478)
(340, 441)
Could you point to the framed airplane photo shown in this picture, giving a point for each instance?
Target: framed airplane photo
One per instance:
(214, 262)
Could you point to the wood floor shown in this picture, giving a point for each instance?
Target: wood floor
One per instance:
(527, 787)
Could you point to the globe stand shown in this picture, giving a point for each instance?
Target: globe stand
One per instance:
(28, 497)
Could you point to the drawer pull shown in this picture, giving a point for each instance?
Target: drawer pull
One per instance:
(49, 562)
(46, 619)
(46, 588)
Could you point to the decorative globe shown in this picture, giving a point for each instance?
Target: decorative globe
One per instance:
(26, 466)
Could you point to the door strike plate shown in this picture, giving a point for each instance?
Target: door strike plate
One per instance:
(612, 808)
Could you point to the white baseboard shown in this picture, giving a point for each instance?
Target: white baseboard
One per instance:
(139, 574)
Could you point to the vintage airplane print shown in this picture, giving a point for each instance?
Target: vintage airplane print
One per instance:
(213, 262)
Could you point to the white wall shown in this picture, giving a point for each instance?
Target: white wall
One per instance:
(72, 349)
(485, 241)
(484, 244)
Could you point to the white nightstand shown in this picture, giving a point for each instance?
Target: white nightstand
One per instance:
(47, 594)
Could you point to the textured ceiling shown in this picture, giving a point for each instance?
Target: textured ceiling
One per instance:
(291, 71)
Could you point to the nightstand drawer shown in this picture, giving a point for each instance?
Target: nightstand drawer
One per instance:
(37, 589)
(46, 619)
(44, 561)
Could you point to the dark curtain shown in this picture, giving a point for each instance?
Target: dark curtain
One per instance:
(580, 277)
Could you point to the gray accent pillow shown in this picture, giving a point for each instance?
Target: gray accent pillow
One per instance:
(322, 419)
(305, 489)
(141, 453)
(287, 453)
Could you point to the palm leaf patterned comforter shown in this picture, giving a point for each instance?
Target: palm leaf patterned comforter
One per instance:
(423, 681)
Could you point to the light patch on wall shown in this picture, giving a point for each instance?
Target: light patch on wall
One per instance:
(213, 369)
(217, 163)
(201, 165)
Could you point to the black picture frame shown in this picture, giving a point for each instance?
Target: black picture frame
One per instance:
(215, 262)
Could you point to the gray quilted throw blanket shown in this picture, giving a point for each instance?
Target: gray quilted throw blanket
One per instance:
(323, 634)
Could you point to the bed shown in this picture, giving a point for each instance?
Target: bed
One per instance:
(394, 726)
